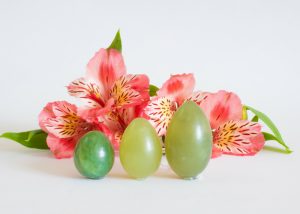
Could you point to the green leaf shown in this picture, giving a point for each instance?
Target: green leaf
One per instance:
(152, 90)
(275, 149)
(32, 139)
(269, 136)
(255, 119)
(117, 42)
(268, 122)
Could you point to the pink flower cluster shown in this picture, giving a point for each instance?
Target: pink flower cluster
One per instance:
(114, 98)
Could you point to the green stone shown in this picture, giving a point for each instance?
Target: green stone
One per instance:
(140, 149)
(188, 141)
(94, 155)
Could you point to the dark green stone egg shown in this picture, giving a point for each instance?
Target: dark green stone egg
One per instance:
(94, 155)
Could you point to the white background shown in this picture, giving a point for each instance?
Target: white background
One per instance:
(249, 47)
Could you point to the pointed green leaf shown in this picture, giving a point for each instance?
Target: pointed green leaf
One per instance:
(152, 90)
(268, 122)
(32, 139)
(255, 119)
(269, 136)
(117, 42)
(275, 149)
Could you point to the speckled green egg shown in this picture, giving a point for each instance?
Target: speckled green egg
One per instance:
(94, 155)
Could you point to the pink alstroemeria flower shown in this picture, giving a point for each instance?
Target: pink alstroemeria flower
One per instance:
(64, 127)
(174, 92)
(113, 97)
(231, 134)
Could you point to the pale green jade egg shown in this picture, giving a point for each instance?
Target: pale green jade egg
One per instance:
(140, 149)
(188, 141)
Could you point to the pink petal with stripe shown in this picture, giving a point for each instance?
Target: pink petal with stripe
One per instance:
(130, 90)
(105, 68)
(240, 138)
(178, 87)
(88, 91)
(198, 97)
(45, 114)
(159, 113)
(221, 107)
(61, 148)
(61, 120)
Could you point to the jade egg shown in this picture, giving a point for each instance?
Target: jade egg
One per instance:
(188, 141)
(94, 155)
(140, 149)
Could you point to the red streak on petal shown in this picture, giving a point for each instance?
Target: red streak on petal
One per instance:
(175, 86)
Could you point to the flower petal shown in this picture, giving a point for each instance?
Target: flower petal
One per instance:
(216, 152)
(117, 140)
(221, 107)
(61, 148)
(258, 143)
(237, 138)
(64, 109)
(105, 68)
(130, 90)
(56, 109)
(64, 128)
(126, 114)
(45, 114)
(178, 87)
(116, 126)
(66, 122)
(89, 91)
(139, 83)
(93, 115)
(198, 97)
(159, 113)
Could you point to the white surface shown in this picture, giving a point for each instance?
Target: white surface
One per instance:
(250, 47)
